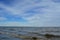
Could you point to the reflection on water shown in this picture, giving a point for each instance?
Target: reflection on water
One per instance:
(29, 33)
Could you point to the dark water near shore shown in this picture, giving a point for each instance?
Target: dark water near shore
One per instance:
(25, 30)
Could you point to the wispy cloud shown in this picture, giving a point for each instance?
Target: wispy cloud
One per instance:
(3, 18)
(35, 12)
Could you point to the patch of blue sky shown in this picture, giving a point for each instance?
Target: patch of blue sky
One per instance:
(32, 13)
(11, 17)
(16, 19)
(1, 9)
(35, 10)
(56, 1)
(7, 2)
(37, 1)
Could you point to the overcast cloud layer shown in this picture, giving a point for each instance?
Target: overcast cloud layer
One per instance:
(30, 13)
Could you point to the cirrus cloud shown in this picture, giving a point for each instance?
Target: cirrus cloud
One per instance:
(35, 12)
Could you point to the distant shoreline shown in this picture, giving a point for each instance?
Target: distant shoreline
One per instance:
(32, 26)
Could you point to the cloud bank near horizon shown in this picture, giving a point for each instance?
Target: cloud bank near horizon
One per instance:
(29, 13)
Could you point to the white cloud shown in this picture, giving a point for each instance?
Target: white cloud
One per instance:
(2, 18)
(48, 13)
(51, 16)
(15, 24)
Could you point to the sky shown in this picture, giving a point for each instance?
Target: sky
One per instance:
(35, 13)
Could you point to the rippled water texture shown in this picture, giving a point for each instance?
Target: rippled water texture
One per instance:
(27, 33)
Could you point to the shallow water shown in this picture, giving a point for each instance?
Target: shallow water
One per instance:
(6, 37)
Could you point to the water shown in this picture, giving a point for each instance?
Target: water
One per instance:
(6, 37)
(28, 31)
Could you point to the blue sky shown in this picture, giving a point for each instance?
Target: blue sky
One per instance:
(30, 13)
